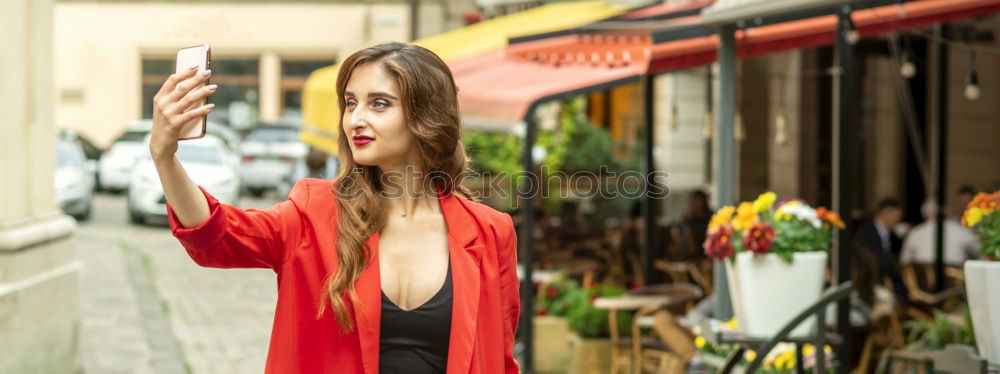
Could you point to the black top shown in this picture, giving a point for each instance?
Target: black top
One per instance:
(416, 341)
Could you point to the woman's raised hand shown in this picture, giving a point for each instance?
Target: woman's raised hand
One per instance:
(174, 106)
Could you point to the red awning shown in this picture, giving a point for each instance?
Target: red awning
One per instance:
(503, 85)
(815, 32)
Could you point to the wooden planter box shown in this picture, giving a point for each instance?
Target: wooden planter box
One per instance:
(589, 356)
(551, 344)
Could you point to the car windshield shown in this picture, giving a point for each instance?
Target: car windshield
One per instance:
(67, 155)
(274, 135)
(199, 153)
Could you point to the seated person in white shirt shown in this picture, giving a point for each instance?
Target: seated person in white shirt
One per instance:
(960, 243)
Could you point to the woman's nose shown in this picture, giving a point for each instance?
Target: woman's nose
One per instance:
(356, 119)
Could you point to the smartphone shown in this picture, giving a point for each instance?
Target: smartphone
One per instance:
(186, 58)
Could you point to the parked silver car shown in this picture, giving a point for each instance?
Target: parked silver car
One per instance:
(74, 180)
(117, 162)
(209, 163)
(270, 153)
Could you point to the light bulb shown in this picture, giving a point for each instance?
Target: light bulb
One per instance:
(908, 69)
(852, 36)
(538, 154)
(780, 136)
(972, 91)
(739, 132)
(709, 125)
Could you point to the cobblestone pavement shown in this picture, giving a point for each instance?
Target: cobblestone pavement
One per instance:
(147, 308)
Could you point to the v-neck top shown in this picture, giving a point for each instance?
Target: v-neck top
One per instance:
(416, 341)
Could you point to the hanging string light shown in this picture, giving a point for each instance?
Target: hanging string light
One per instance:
(780, 129)
(851, 32)
(907, 68)
(972, 91)
(739, 132)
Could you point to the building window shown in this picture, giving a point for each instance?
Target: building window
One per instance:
(294, 73)
(235, 101)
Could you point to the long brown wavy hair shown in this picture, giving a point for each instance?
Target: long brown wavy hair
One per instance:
(430, 108)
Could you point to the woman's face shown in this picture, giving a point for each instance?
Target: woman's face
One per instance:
(374, 121)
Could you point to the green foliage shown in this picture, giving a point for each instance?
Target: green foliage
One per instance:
(558, 296)
(939, 332)
(496, 153)
(798, 236)
(988, 230)
(590, 322)
(576, 145)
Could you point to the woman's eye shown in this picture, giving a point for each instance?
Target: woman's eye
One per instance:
(380, 104)
(351, 103)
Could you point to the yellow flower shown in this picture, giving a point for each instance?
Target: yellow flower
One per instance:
(750, 355)
(808, 350)
(972, 216)
(699, 342)
(721, 218)
(731, 324)
(786, 361)
(746, 216)
(764, 202)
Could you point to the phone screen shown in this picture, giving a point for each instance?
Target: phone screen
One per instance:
(186, 58)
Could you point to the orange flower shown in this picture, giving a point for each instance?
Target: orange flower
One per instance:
(986, 202)
(829, 217)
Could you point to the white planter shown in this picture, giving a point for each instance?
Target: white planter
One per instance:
(767, 291)
(982, 279)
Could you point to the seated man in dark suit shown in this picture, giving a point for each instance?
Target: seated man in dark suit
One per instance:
(878, 237)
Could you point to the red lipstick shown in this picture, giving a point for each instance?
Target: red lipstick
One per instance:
(360, 140)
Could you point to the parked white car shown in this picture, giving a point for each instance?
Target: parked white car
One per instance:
(74, 180)
(209, 163)
(117, 162)
(270, 153)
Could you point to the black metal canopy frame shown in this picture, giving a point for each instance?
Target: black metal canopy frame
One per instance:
(843, 135)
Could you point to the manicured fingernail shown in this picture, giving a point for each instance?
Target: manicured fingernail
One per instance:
(212, 87)
(212, 105)
(206, 73)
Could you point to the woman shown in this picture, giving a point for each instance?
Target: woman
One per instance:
(385, 269)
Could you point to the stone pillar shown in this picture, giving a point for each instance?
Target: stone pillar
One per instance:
(270, 86)
(38, 265)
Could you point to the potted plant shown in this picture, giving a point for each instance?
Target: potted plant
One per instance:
(590, 345)
(776, 256)
(555, 298)
(983, 276)
(939, 332)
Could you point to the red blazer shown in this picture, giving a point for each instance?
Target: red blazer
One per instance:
(296, 239)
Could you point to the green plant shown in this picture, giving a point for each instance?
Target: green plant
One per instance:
(496, 153)
(944, 329)
(591, 322)
(558, 296)
(983, 214)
